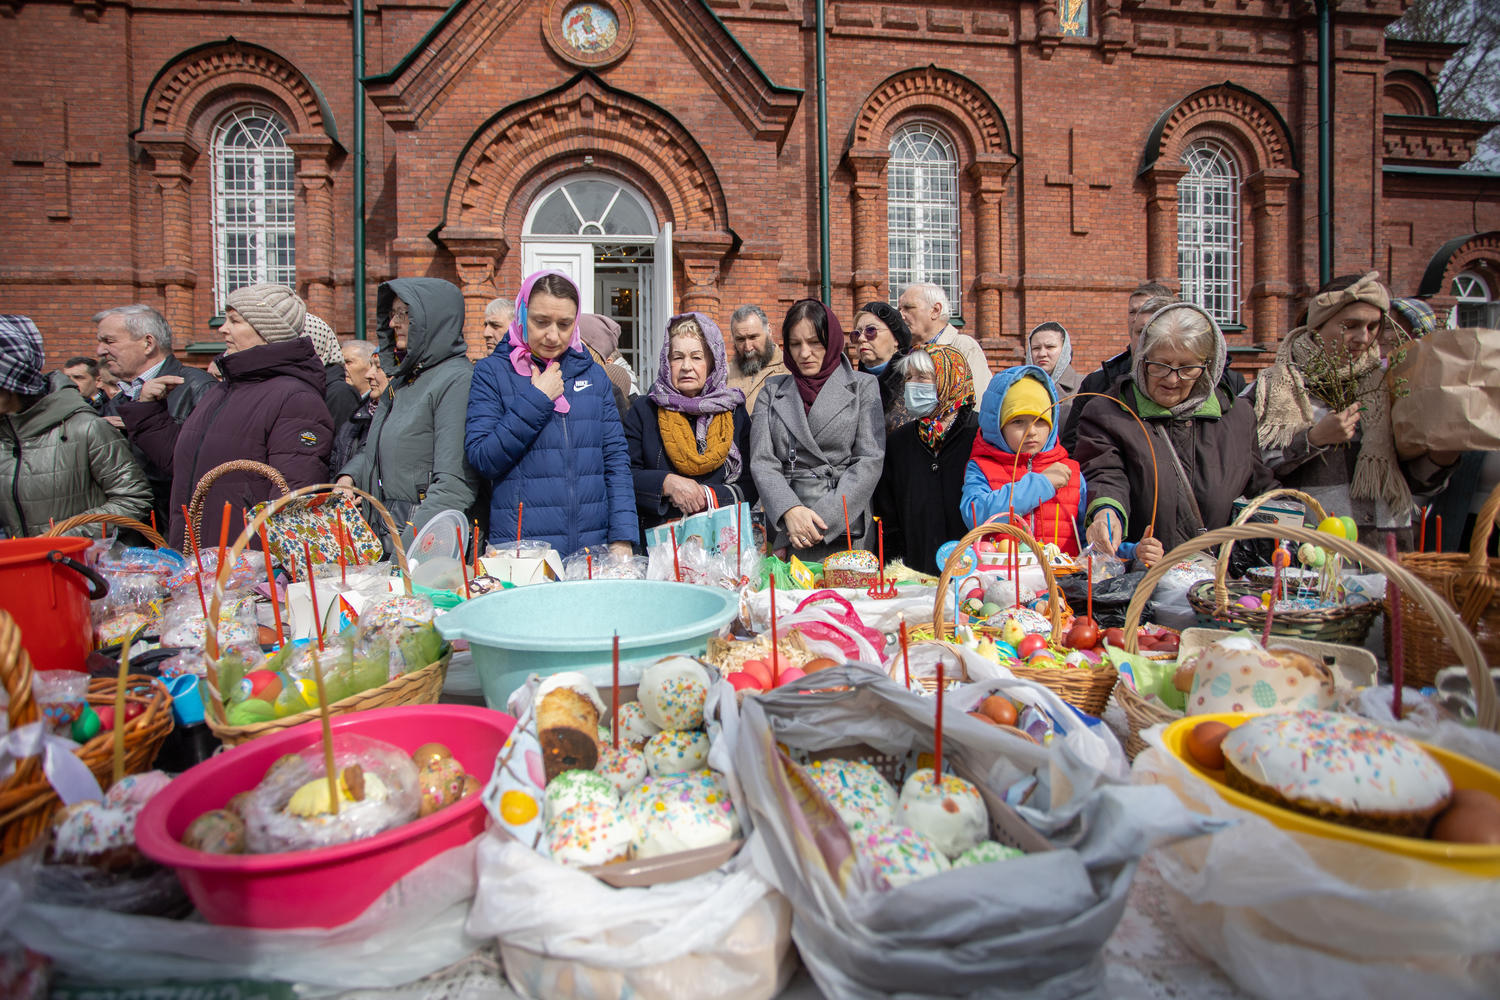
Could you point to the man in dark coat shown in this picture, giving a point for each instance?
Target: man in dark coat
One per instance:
(135, 347)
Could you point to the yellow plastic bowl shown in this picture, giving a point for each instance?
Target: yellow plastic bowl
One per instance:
(1481, 860)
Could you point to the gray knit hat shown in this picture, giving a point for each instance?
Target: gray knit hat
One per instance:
(274, 310)
(325, 341)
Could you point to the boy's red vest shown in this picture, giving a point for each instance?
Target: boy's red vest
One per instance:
(1059, 513)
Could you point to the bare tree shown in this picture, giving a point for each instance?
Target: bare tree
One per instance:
(1469, 86)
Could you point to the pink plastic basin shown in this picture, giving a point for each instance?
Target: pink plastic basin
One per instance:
(327, 886)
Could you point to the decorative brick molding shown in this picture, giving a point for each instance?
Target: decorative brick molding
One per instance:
(984, 153)
(1408, 92)
(1241, 116)
(1479, 252)
(185, 88)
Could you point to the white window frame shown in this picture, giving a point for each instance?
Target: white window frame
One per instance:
(264, 212)
(1471, 290)
(933, 245)
(1209, 245)
(595, 227)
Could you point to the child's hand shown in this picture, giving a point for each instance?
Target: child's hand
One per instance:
(1149, 551)
(1058, 474)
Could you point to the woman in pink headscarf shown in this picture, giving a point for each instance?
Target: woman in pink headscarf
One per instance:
(544, 430)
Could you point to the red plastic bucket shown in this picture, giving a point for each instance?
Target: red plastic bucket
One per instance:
(47, 591)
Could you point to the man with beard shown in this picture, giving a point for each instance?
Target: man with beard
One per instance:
(756, 356)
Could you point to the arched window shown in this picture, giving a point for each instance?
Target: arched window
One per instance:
(254, 192)
(591, 206)
(1208, 230)
(1476, 305)
(922, 213)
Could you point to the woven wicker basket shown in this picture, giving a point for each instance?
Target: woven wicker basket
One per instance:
(418, 687)
(1086, 690)
(1141, 714)
(200, 492)
(1468, 584)
(118, 520)
(27, 800)
(1214, 600)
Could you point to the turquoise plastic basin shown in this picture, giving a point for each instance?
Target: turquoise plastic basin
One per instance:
(551, 627)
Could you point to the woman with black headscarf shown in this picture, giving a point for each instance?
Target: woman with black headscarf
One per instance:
(882, 340)
(817, 439)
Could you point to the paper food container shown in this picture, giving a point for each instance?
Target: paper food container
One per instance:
(523, 563)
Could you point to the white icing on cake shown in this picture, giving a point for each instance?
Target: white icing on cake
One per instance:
(681, 813)
(590, 833)
(952, 816)
(573, 682)
(672, 693)
(856, 791)
(573, 788)
(635, 728)
(1337, 761)
(899, 854)
(624, 767)
(673, 752)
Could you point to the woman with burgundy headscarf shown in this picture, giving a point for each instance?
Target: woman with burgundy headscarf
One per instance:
(689, 436)
(817, 439)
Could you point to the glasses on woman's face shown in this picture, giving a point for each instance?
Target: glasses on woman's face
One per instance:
(1186, 373)
(864, 332)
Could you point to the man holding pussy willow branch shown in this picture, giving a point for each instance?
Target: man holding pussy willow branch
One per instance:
(1323, 412)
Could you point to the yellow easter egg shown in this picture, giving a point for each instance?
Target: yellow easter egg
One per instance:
(1332, 526)
(517, 808)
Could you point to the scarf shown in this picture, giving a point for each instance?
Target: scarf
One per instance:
(808, 386)
(716, 399)
(1064, 357)
(521, 357)
(1213, 366)
(685, 453)
(955, 389)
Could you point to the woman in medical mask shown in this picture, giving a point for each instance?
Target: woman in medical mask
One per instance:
(918, 494)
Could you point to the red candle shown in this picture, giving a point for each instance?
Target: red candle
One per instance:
(520, 509)
(905, 658)
(937, 731)
(265, 547)
(1279, 558)
(739, 540)
(775, 650)
(312, 589)
(1015, 570)
(614, 700)
(199, 581)
(676, 567)
(848, 535)
(1398, 655)
(1437, 538)
(153, 521)
(1422, 532)
(224, 538)
(338, 533)
(880, 536)
(477, 569)
(588, 558)
(1091, 588)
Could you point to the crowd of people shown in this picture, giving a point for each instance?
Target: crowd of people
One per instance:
(900, 421)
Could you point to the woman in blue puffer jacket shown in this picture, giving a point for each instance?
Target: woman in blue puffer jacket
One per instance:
(543, 428)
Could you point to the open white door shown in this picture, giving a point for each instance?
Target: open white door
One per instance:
(576, 260)
(662, 303)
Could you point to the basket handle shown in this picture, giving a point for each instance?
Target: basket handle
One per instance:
(118, 520)
(200, 492)
(252, 529)
(1015, 533)
(1221, 591)
(15, 674)
(1479, 586)
(1459, 637)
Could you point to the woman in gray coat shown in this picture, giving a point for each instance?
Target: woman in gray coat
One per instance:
(413, 457)
(817, 439)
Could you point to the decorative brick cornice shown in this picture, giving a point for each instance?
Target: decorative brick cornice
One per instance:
(963, 101)
(185, 87)
(582, 118)
(1430, 140)
(1247, 119)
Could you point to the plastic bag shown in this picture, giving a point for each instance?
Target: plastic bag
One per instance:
(598, 562)
(1288, 914)
(827, 619)
(1111, 596)
(1033, 929)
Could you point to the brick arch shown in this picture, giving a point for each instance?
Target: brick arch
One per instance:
(584, 117)
(1243, 119)
(196, 85)
(961, 103)
(1475, 252)
(1409, 93)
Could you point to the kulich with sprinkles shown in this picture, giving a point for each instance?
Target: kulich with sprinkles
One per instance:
(682, 813)
(573, 788)
(635, 728)
(673, 691)
(673, 751)
(952, 815)
(899, 854)
(623, 766)
(857, 792)
(1337, 768)
(590, 833)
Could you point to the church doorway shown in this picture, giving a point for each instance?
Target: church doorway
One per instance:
(603, 234)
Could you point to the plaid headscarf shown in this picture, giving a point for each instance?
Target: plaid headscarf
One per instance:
(1418, 315)
(955, 388)
(21, 357)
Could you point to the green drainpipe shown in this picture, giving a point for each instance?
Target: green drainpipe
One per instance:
(359, 169)
(825, 254)
(1325, 142)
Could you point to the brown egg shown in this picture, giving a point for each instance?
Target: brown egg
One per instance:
(1476, 798)
(471, 786)
(1468, 821)
(821, 663)
(1183, 679)
(216, 832)
(984, 718)
(999, 709)
(428, 753)
(1205, 744)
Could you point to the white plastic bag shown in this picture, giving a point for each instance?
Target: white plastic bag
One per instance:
(1290, 914)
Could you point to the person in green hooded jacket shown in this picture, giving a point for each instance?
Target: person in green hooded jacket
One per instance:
(57, 457)
(413, 457)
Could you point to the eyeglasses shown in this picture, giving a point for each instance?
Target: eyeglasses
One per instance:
(1187, 373)
(864, 332)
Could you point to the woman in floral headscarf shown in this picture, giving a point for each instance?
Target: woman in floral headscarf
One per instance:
(919, 491)
(543, 428)
(1323, 413)
(689, 437)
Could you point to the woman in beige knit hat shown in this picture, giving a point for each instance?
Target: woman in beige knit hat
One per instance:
(1323, 413)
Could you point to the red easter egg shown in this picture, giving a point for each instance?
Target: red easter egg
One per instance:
(132, 709)
(760, 670)
(790, 674)
(106, 717)
(1030, 644)
(741, 680)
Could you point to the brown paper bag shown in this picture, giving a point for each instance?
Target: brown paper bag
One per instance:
(1452, 400)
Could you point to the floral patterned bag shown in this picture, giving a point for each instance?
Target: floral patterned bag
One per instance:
(326, 521)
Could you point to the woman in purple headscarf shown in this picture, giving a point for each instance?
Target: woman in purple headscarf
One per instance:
(542, 427)
(689, 436)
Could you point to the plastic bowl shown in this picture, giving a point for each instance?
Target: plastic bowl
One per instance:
(327, 886)
(553, 627)
(1480, 860)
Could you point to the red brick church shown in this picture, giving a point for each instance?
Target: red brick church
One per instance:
(1037, 158)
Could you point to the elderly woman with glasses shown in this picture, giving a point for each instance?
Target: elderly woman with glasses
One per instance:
(1323, 413)
(882, 339)
(1203, 439)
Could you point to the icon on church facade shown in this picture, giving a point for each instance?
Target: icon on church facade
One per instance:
(1074, 19)
(590, 27)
